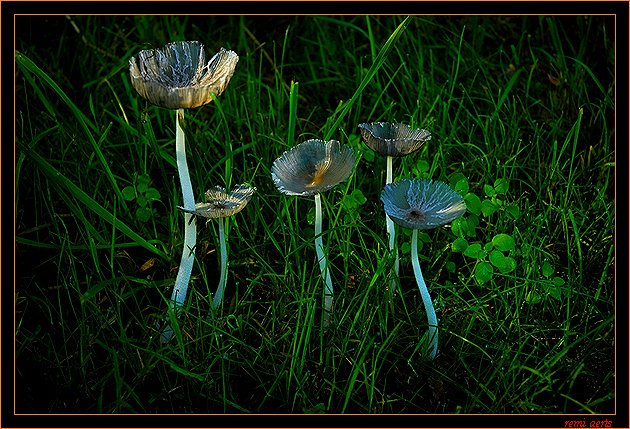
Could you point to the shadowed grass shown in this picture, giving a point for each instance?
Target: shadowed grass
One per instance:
(514, 99)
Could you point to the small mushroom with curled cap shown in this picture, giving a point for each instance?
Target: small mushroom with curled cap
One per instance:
(177, 76)
(393, 140)
(421, 204)
(221, 205)
(311, 168)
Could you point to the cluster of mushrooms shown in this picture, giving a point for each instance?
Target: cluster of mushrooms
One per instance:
(178, 77)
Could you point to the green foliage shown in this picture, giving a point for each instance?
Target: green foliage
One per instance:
(144, 195)
(351, 204)
(521, 110)
(494, 252)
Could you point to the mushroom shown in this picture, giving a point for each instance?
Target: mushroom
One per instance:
(393, 140)
(178, 77)
(422, 204)
(221, 205)
(311, 168)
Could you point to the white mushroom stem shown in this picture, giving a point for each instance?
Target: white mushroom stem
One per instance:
(218, 296)
(323, 262)
(391, 231)
(426, 298)
(190, 226)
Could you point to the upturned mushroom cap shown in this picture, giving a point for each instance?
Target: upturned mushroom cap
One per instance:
(312, 167)
(221, 204)
(177, 75)
(422, 203)
(393, 139)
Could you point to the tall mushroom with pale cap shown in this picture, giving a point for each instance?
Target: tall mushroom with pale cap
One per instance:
(422, 204)
(393, 140)
(177, 76)
(311, 168)
(220, 205)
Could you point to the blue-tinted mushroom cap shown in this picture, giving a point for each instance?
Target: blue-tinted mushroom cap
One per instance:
(393, 139)
(178, 76)
(312, 167)
(219, 203)
(422, 203)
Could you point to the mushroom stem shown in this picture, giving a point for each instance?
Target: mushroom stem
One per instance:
(323, 262)
(426, 298)
(391, 231)
(218, 296)
(190, 226)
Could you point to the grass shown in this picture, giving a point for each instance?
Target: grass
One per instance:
(521, 111)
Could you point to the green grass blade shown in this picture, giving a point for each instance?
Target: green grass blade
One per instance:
(506, 91)
(59, 179)
(605, 93)
(293, 98)
(344, 108)
(27, 65)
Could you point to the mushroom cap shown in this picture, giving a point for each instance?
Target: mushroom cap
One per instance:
(393, 139)
(221, 204)
(177, 75)
(312, 167)
(422, 203)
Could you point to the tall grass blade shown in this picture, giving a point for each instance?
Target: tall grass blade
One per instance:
(64, 183)
(27, 66)
(344, 108)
